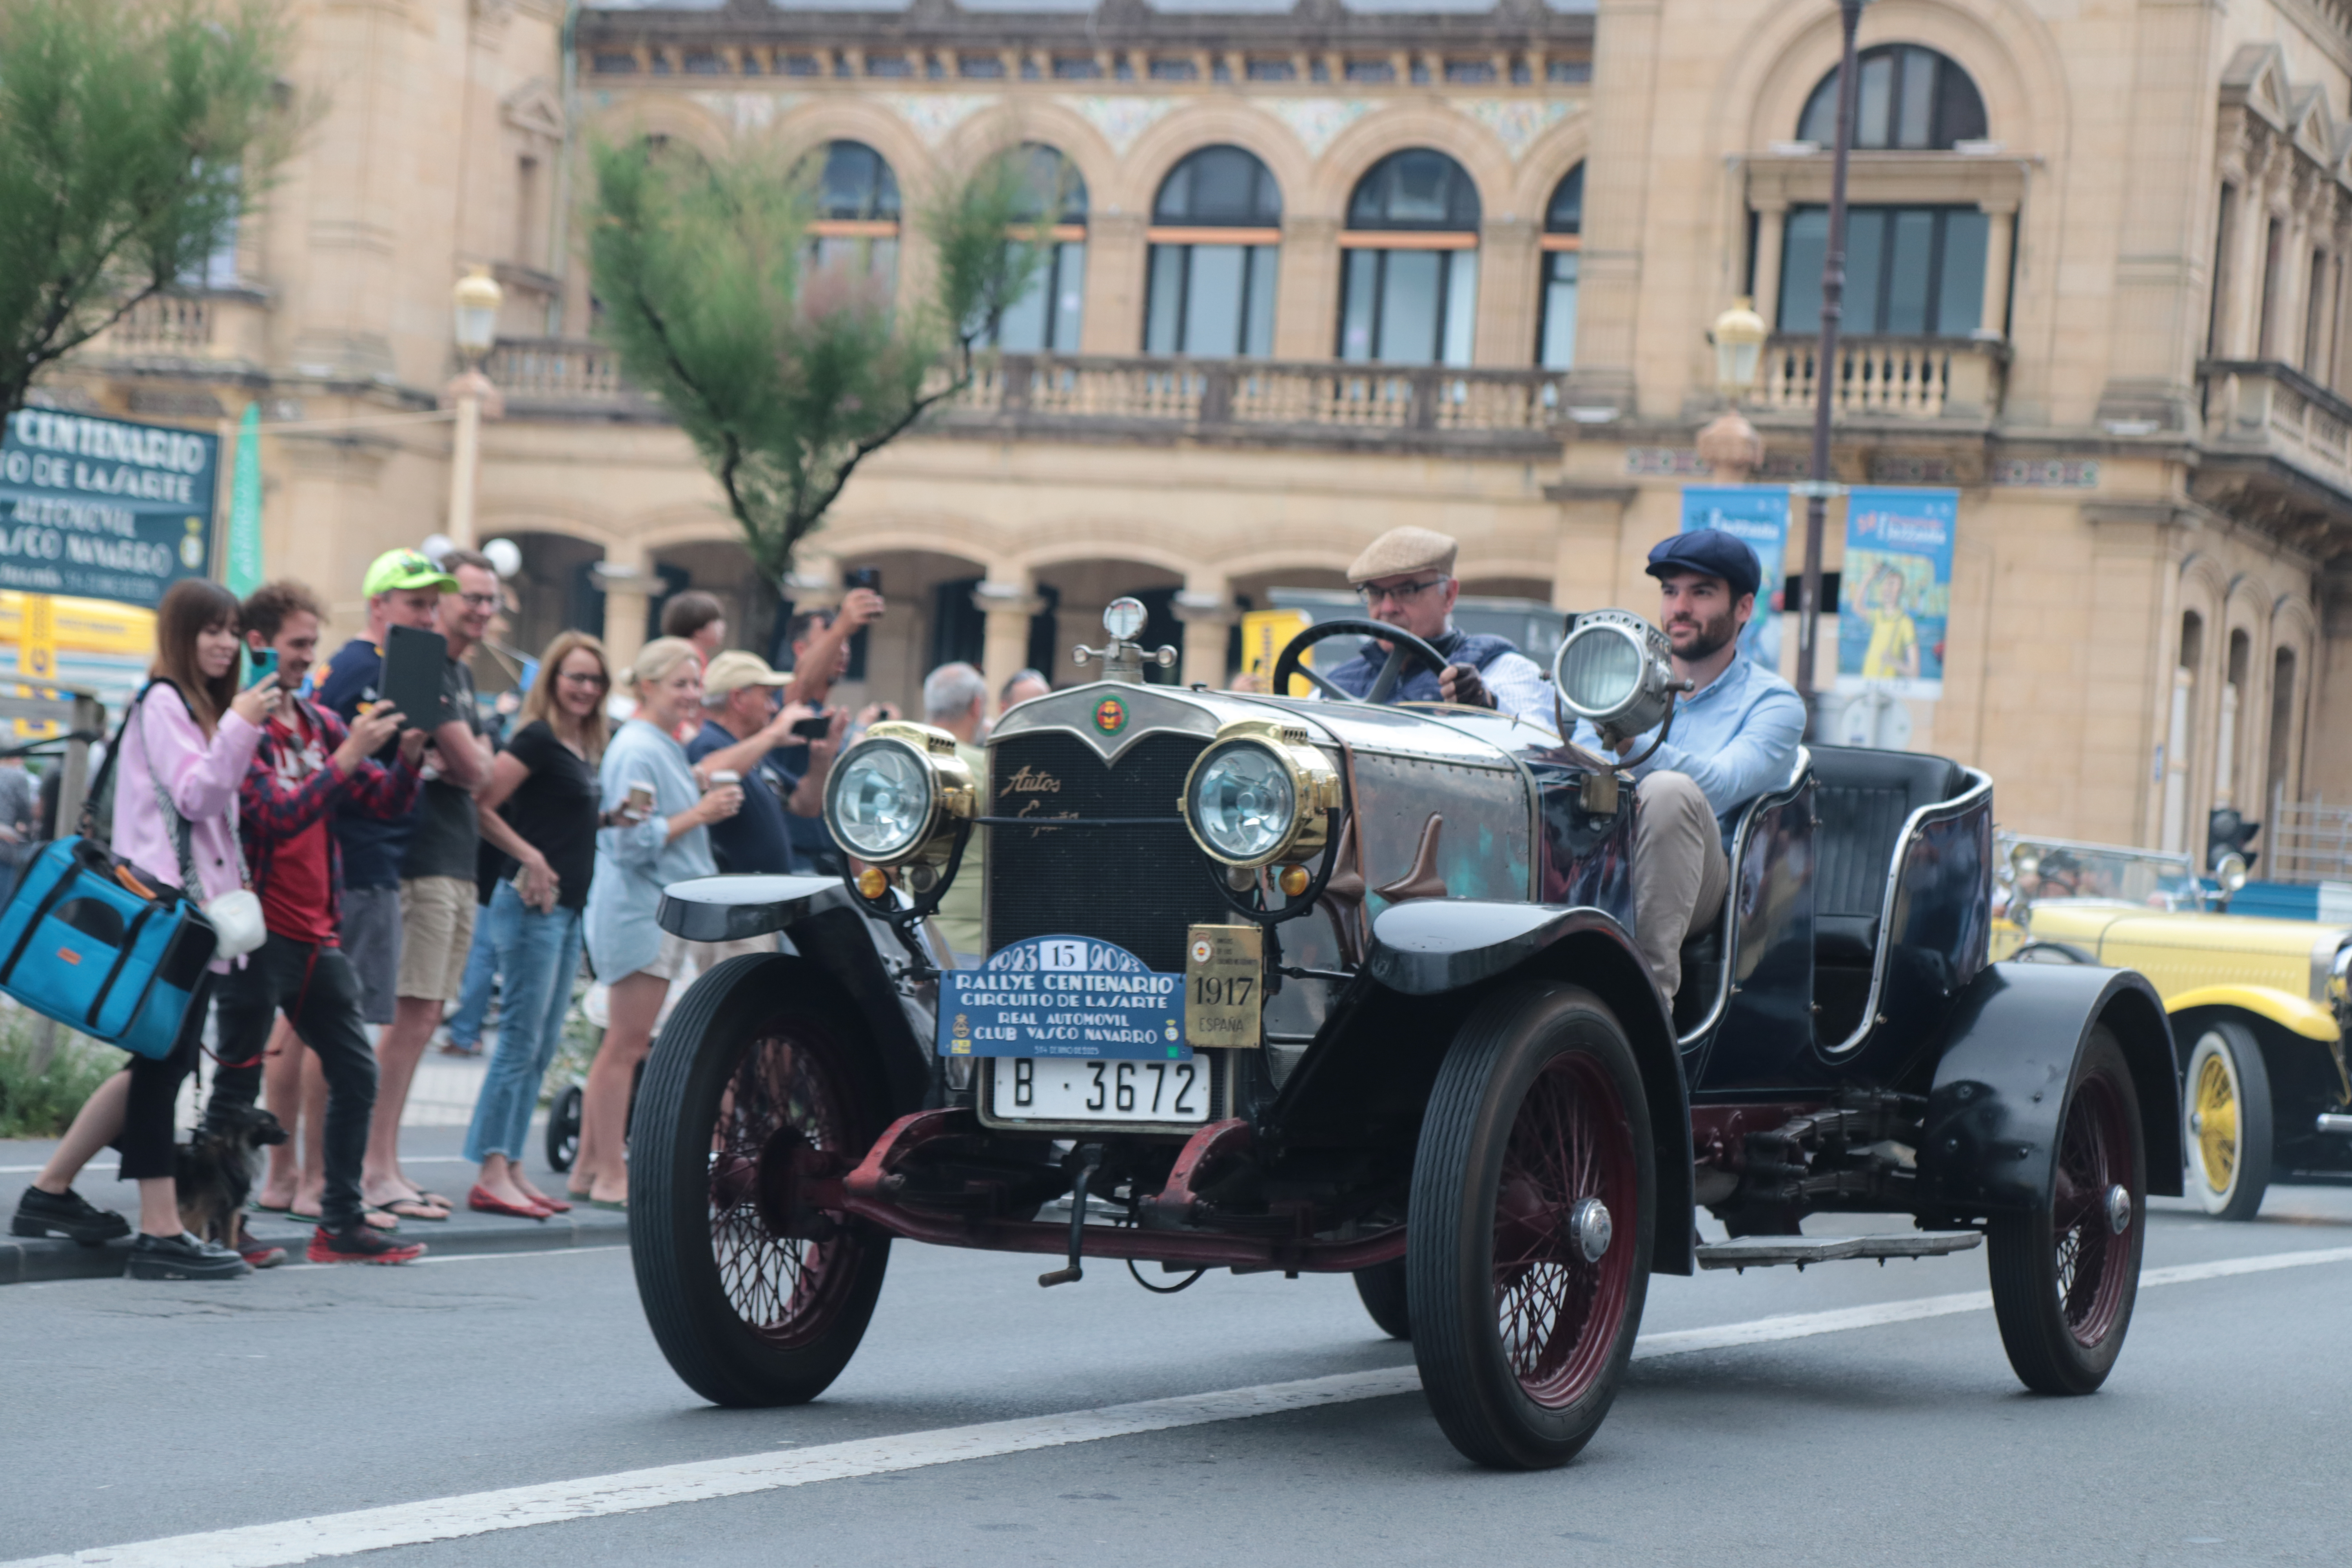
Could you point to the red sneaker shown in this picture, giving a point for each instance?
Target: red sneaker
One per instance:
(361, 1244)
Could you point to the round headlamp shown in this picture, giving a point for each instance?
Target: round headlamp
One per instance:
(1261, 793)
(1615, 670)
(897, 795)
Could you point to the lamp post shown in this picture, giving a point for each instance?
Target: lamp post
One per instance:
(1825, 366)
(475, 328)
(1730, 445)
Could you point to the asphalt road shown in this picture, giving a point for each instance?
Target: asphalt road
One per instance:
(134, 1412)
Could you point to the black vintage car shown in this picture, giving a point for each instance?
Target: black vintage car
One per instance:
(1326, 985)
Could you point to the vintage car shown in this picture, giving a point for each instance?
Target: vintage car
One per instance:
(2259, 1008)
(1291, 985)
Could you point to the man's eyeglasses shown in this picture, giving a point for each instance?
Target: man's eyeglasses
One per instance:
(481, 601)
(1402, 592)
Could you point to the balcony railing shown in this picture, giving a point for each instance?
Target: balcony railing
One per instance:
(1948, 379)
(219, 325)
(1236, 400)
(2261, 408)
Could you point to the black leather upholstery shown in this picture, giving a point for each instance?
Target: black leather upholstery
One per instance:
(1864, 798)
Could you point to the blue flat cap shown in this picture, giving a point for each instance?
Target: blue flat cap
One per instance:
(1712, 551)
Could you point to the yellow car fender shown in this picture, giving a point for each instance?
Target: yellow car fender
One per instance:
(2284, 1008)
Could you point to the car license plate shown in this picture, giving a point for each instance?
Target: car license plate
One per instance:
(1043, 1089)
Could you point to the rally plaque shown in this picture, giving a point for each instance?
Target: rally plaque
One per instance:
(1225, 976)
(1063, 997)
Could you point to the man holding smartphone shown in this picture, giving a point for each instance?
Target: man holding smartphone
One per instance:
(742, 731)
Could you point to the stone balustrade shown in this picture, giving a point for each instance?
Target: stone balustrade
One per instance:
(2261, 408)
(223, 326)
(1944, 379)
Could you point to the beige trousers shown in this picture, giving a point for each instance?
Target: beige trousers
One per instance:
(1680, 874)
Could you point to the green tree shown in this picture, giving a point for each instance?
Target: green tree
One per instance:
(131, 134)
(785, 376)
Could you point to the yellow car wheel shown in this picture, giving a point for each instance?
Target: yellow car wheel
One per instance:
(2226, 1105)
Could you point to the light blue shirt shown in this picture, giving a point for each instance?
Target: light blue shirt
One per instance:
(1735, 738)
(635, 864)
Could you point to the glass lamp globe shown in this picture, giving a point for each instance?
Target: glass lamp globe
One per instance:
(1124, 618)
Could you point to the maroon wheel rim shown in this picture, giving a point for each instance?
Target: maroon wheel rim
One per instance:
(1558, 1312)
(2094, 1261)
(783, 1099)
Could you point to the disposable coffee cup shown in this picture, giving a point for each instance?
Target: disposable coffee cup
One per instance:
(641, 797)
(721, 779)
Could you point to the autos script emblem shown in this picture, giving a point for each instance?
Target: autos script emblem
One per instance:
(1033, 782)
(1111, 715)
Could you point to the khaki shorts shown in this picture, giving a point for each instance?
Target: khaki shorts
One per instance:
(707, 955)
(436, 935)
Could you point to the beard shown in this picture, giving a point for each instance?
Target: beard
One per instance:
(1707, 639)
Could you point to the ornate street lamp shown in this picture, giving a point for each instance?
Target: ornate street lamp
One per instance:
(1730, 445)
(475, 329)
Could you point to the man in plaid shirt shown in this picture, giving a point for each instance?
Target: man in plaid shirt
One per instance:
(307, 764)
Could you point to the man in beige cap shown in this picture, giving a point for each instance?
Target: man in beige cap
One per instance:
(1405, 578)
(742, 729)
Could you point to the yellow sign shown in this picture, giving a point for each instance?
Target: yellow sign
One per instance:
(1265, 634)
(37, 644)
(1224, 984)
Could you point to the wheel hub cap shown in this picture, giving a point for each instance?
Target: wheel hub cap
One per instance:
(1589, 1227)
(2119, 1207)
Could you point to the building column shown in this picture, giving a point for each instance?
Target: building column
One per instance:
(2001, 242)
(1208, 616)
(1008, 604)
(1508, 289)
(1306, 289)
(1591, 521)
(1113, 321)
(1772, 227)
(628, 581)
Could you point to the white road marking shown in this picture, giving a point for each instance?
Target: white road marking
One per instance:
(663, 1486)
(109, 1171)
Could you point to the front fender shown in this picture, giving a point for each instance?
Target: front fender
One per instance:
(1452, 946)
(2010, 1053)
(2288, 1011)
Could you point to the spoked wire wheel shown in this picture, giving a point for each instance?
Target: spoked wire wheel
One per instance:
(756, 1087)
(1528, 1250)
(2064, 1278)
(2228, 1134)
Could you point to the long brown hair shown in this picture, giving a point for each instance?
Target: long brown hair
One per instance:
(191, 606)
(538, 702)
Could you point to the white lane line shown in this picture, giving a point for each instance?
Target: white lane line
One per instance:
(109, 1171)
(662, 1486)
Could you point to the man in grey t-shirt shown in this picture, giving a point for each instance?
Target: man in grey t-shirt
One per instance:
(18, 800)
(436, 888)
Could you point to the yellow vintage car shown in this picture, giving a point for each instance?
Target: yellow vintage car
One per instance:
(2259, 1007)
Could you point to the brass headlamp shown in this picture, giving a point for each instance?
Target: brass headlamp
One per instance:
(1262, 791)
(896, 796)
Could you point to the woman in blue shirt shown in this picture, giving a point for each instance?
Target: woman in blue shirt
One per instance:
(641, 849)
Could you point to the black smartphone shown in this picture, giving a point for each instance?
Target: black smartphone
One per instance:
(864, 577)
(259, 663)
(414, 665)
(815, 728)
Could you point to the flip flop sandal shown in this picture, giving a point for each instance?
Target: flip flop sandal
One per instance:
(258, 1207)
(411, 1208)
(437, 1200)
(372, 1214)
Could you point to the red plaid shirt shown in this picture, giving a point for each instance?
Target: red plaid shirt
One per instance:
(269, 813)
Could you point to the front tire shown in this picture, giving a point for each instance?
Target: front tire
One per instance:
(2227, 1120)
(1528, 1244)
(757, 1082)
(2065, 1276)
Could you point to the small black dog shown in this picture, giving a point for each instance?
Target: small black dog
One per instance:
(215, 1172)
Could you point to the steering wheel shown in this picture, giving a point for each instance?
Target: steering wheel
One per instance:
(1402, 645)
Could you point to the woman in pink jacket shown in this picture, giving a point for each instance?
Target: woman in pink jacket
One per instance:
(190, 740)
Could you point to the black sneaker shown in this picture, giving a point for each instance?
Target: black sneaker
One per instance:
(362, 1243)
(182, 1256)
(69, 1215)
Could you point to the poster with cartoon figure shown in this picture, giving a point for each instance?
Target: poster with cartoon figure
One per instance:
(1759, 515)
(1894, 591)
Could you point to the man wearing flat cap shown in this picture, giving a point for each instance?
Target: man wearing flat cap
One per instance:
(1734, 735)
(1405, 578)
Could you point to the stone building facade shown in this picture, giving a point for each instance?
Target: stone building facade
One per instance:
(1324, 270)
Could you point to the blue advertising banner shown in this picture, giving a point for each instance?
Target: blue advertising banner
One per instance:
(1063, 997)
(103, 509)
(1758, 514)
(1894, 591)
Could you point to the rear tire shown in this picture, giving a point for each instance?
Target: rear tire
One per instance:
(2226, 1121)
(2064, 1278)
(1527, 1243)
(758, 1079)
(1382, 1289)
(563, 1129)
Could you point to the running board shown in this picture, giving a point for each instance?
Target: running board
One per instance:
(1764, 1251)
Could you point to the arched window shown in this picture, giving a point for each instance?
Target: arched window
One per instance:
(1409, 288)
(1216, 231)
(1909, 98)
(1562, 236)
(856, 224)
(1047, 319)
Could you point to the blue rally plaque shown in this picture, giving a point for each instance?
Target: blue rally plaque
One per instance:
(1063, 997)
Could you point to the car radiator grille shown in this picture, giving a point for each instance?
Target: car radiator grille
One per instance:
(1138, 887)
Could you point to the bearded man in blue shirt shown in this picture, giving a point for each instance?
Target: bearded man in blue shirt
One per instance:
(1734, 735)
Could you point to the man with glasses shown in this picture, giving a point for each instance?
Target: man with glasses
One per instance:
(1405, 578)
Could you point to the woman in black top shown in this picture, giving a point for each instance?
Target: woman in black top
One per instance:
(539, 808)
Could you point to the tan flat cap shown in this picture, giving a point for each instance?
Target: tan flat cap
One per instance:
(1401, 551)
(735, 670)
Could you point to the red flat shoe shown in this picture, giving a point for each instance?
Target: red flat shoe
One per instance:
(484, 1202)
(553, 1206)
